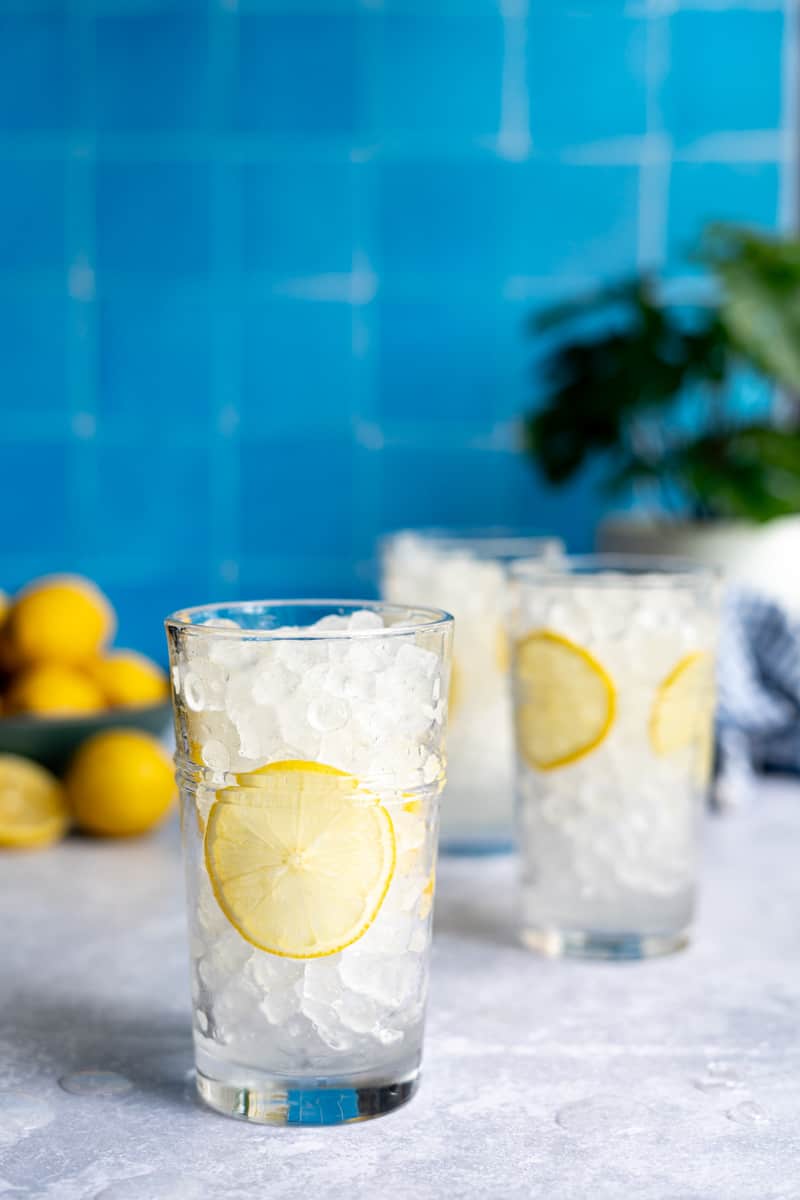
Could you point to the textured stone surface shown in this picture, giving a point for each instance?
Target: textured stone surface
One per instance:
(676, 1079)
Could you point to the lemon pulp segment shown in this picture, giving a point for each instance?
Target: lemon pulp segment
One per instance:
(566, 701)
(300, 858)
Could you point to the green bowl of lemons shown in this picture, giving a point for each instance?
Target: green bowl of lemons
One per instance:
(62, 686)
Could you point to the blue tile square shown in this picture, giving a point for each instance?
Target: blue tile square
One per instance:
(41, 518)
(725, 73)
(152, 502)
(152, 71)
(437, 362)
(437, 76)
(298, 496)
(586, 74)
(572, 220)
(297, 368)
(571, 512)
(155, 360)
(153, 218)
(292, 576)
(298, 217)
(439, 222)
(458, 487)
(32, 216)
(147, 596)
(36, 88)
(702, 192)
(33, 361)
(298, 74)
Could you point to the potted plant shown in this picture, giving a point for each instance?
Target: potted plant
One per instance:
(720, 486)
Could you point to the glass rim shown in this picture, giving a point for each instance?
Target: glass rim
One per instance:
(489, 539)
(627, 570)
(427, 618)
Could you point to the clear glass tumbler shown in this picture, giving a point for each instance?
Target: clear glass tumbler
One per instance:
(310, 757)
(466, 572)
(613, 679)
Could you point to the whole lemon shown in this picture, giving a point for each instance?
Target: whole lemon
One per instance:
(59, 619)
(51, 689)
(129, 680)
(119, 783)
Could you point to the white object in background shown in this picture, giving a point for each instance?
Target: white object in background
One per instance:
(764, 557)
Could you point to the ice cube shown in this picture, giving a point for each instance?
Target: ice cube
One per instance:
(299, 656)
(273, 683)
(413, 658)
(356, 1012)
(370, 654)
(390, 980)
(258, 731)
(295, 727)
(215, 755)
(194, 692)
(348, 684)
(332, 623)
(328, 713)
(364, 618)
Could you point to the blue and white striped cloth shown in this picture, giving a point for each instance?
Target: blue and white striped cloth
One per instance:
(758, 682)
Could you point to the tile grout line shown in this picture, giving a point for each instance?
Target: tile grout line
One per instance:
(790, 119)
(81, 251)
(226, 314)
(654, 162)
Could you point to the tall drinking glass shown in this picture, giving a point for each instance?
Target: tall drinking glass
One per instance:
(466, 572)
(310, 757)
(613, 668)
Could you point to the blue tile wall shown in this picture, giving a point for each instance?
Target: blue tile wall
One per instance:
(265, 265)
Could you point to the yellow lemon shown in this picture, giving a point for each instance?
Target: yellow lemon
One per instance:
(129, 680)
(120, 782)
(566, 701)
(300, 858)
(33, 809)
(53, 690)
(60, 619)
(683, 708)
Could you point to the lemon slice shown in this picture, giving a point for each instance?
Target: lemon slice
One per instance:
(33, 811)
(683, 708)
(565, 700)
(300, 858)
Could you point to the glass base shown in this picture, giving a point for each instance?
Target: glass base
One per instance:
(571, 943)
(298, 1102)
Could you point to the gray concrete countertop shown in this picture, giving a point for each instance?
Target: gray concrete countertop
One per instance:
(674, 1079)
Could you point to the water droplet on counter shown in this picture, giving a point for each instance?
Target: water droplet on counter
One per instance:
(21, 1114)
(95, 1083)
(719, 1077)
(604, 1114)
(747, 1113)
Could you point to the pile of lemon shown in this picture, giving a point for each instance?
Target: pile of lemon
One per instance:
(54, 636)
(56, 662)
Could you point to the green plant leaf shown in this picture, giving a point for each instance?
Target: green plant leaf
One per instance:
(759, 306)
